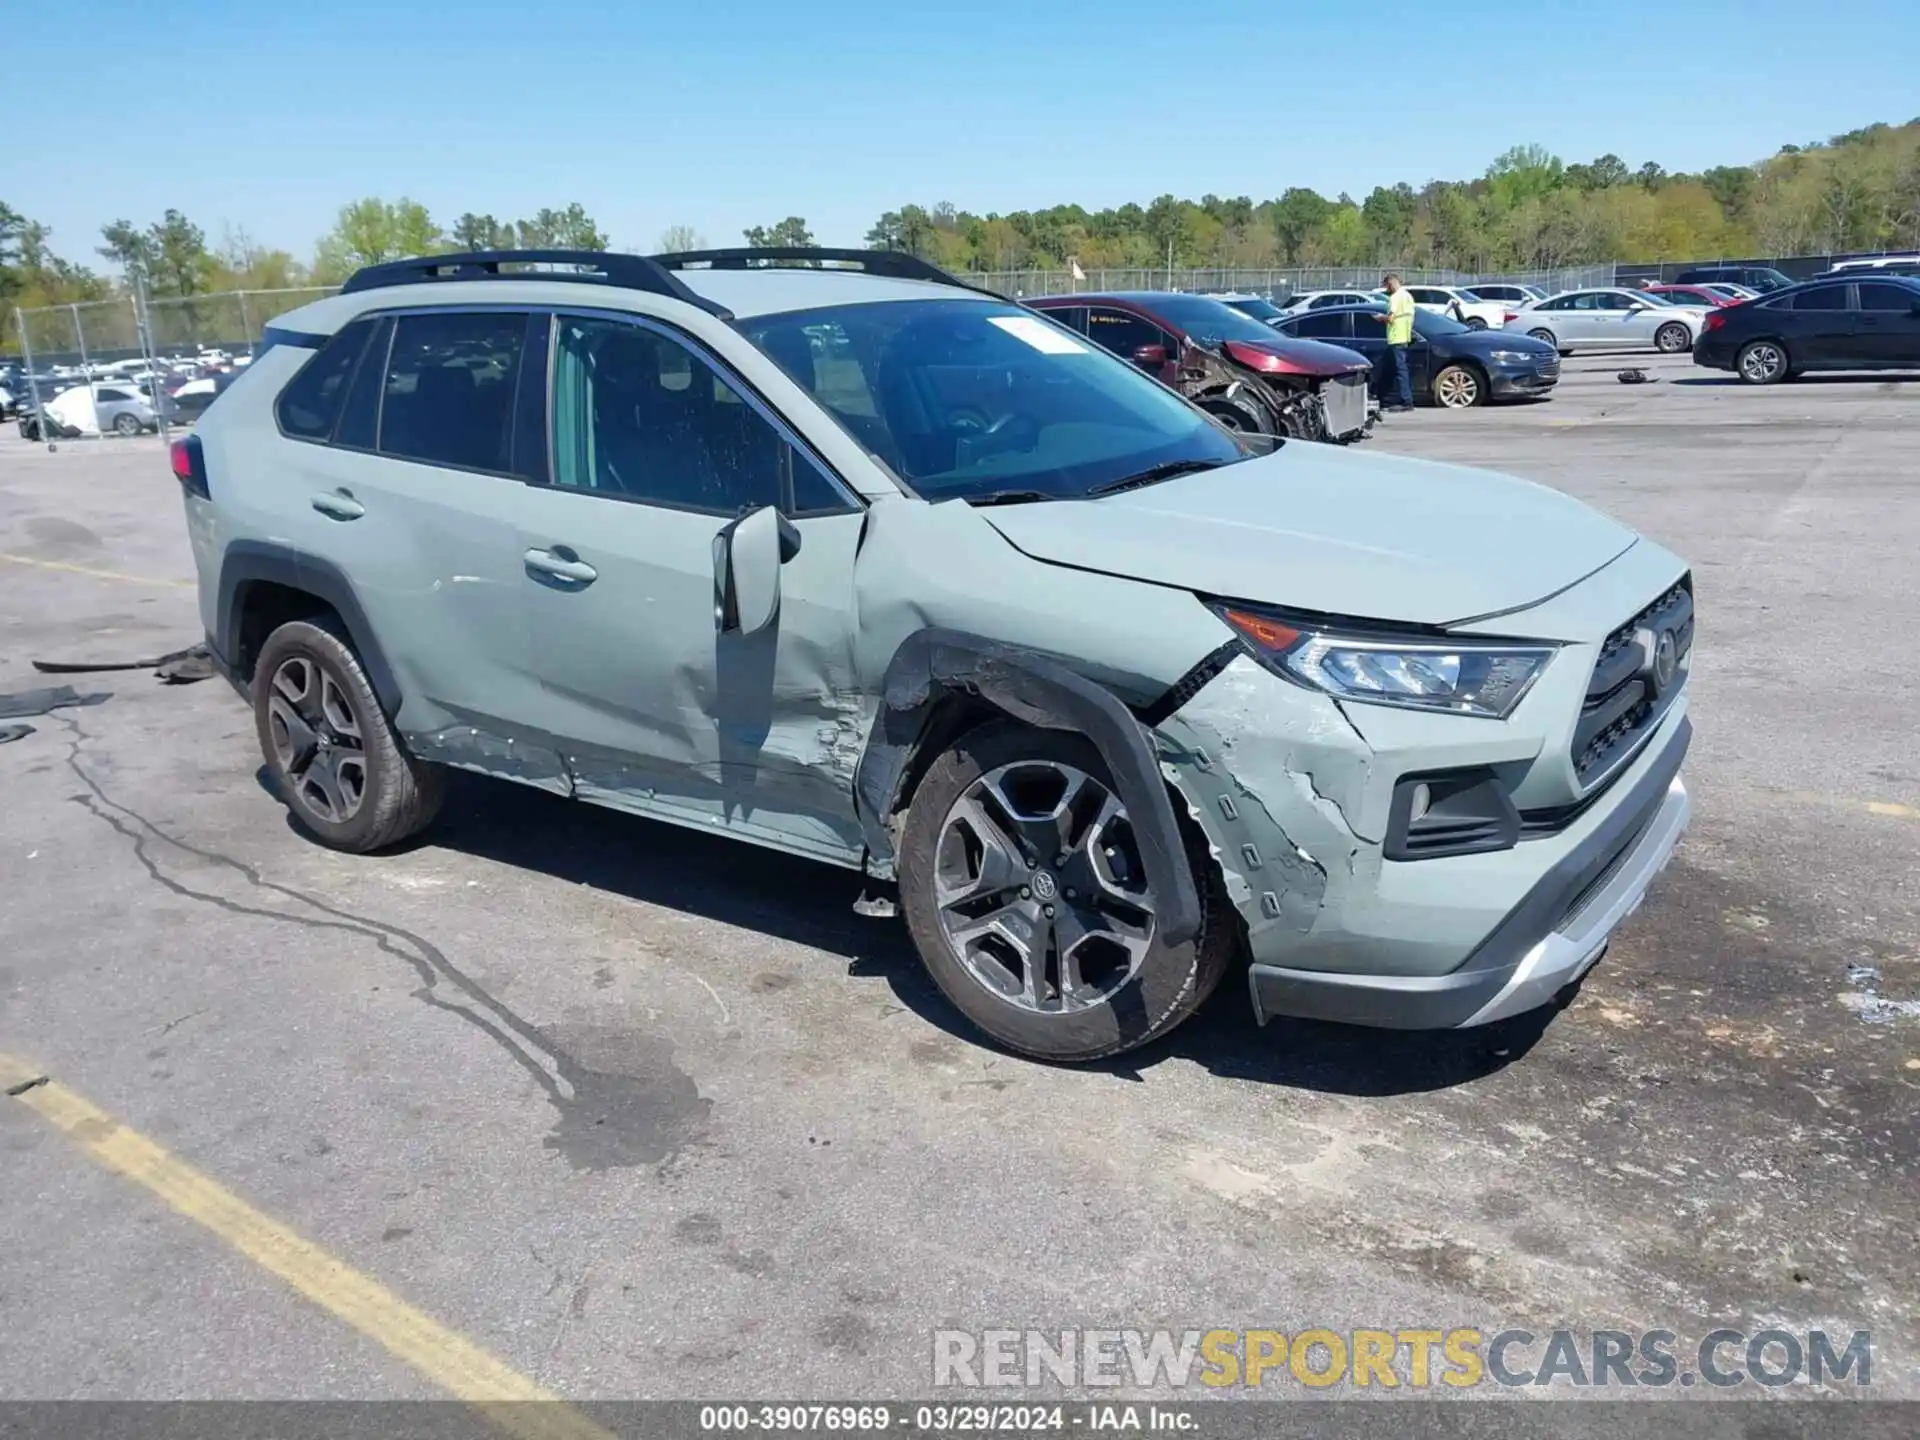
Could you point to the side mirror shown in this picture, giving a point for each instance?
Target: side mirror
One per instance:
(1150, 357)
(747, 556)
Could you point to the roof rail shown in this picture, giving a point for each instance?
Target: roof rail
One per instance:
(894, 264)
(589, 267)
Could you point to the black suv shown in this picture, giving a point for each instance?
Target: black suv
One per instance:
(1763, 278)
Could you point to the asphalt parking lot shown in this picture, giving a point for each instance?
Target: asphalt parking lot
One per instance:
(642, 1113)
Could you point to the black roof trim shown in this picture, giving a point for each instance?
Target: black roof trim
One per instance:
(588, 267)
(893, 264)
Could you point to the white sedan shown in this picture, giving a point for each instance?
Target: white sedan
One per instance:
(1466, 306)
(1611, 319)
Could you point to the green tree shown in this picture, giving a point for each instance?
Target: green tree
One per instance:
(179, 263)
(480, 232)
(1295, 216)
(568, 229)
(129, 247)
(373, 231)
(788, 232)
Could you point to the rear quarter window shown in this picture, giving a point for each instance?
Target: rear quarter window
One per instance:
(310, 403)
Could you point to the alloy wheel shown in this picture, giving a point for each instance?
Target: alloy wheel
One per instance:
(1762, 362)
(316, 739)
(1040, 888)
(1456, 388)
(1671, 339)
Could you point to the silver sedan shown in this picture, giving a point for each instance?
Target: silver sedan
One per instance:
(1611, 320)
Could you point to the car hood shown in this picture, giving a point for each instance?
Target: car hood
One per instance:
(1284, 354)
(1322, 528)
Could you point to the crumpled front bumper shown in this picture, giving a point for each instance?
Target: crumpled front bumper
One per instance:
(1294, 802)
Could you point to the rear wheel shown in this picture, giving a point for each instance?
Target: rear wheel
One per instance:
(1762, 362)
(126, 423)
(1026, 895)
(1672, 338)
(339, 767)
(1543, 334)
(1459, 387)
(1474, 322)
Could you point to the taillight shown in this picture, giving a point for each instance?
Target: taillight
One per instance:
(1511, 316)
(189, 465)
(1715, 319)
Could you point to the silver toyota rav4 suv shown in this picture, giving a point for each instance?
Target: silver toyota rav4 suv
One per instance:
(830, 552)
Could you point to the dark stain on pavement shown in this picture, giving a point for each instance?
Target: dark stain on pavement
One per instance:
(626, 1105)
(54, 537)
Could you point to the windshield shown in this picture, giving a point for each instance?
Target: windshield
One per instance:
(965, 399)
(1259, 309)
(1208, 321)
(1428, 324)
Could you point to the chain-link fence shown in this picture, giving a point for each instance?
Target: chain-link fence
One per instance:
(123, 359)
(1272, 281)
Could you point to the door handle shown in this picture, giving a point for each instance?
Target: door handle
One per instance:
(339, 505)
(560, 567)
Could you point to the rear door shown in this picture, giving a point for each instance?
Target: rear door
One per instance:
(1886, 325)
(1356, 332)
(1820, 333)
(409, 489)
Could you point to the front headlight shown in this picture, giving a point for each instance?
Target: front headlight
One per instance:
(1456, 676)
(1517, 357)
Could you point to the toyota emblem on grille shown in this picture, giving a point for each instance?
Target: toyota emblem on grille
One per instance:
(1666, 660)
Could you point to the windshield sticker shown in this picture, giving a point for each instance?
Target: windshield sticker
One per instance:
(1037, 333)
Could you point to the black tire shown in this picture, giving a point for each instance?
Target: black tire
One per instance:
(1474, 322)
(398, 795)
(1544, 334)
(1241, 419)
(126, 423)
(1763, 362)
(1672, 338)
(1169, 983)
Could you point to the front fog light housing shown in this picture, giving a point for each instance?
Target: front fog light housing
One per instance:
(1458, 676)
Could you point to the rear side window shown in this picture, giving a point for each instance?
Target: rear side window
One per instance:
(1827, 297)
(309, 405)
(448, 393)
(1324, 327)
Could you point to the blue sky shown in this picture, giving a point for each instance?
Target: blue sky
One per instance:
(270, 114)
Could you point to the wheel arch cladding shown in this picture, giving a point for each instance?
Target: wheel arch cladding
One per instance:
(251, 564)
(933, 666)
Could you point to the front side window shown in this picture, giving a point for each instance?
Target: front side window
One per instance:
(1897, 298)
(1120, 332)
(639, 416)
(307, 407)
(965, 398)
(448, 394)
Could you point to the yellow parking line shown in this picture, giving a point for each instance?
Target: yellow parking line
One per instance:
(1887, 809)
(451, 1361)
(94, 574)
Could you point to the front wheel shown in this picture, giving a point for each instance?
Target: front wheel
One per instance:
(1459, 387)
(1762, 362)
(1671, 339)
(1026, 895)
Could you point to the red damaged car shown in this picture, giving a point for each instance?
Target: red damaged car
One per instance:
(1232, 366)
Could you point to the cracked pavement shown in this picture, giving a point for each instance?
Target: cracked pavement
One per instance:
(646, 1113)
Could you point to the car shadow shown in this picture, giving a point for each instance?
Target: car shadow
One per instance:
(1851, 377)
(810, 904)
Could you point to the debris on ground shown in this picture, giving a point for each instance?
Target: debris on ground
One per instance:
(176, 667)
(40, 702)
(14, 732)
(1634, 376)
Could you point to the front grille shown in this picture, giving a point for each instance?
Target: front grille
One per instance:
(1626, 698)
(1345, 398)
(1549, 368)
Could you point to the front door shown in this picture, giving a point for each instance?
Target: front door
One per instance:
(656, 448)
(1137, 340)
(1886, 324)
